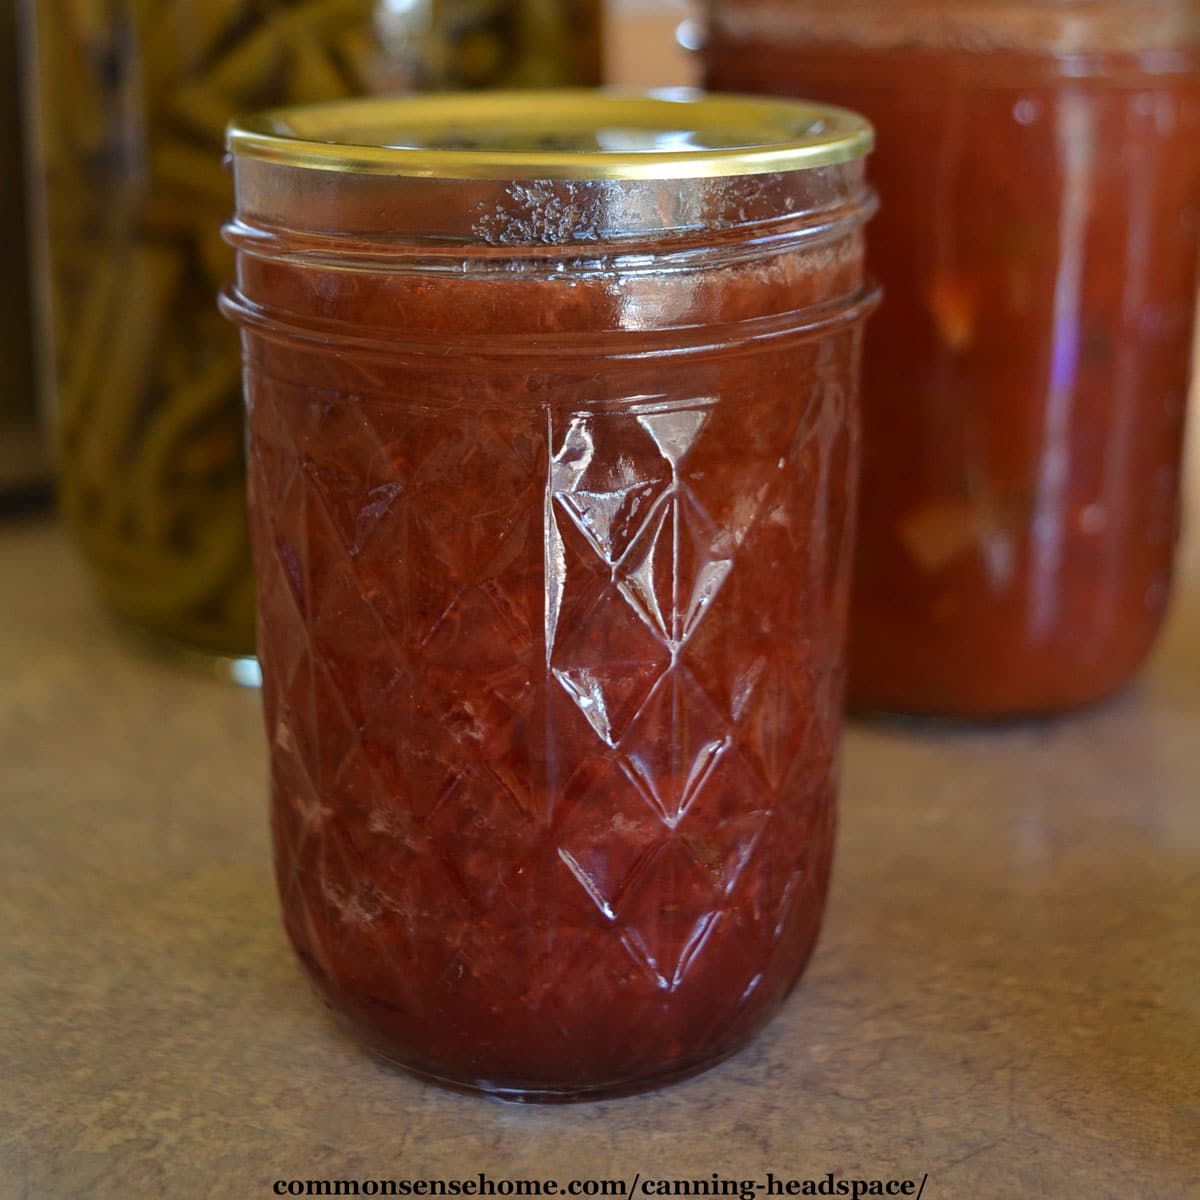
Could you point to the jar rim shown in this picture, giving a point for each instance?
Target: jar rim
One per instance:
(677, 133)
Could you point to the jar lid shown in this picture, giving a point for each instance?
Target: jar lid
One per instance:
(675, 134)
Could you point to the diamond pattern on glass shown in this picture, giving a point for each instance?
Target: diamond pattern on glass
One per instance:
(674, 431)
(629, 844)
(673, 745)
(608, 664)
(673, 571)
(599, 493)
(520, 699)
(777, 720)
(604, 518)
(487, 825)
(607, 833)
(666, 938)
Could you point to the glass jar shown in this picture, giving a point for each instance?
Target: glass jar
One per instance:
(553, 449)
(1026, 380)
(129, 106)
(438, 44)
(24, 470)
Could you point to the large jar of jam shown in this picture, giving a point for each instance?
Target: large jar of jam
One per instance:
(1025, 381)
(553, 451)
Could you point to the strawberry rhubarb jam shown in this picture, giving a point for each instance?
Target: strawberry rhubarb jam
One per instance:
(1026, 378)
(553, 452)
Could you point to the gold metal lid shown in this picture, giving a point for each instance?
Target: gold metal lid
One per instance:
(676, 134)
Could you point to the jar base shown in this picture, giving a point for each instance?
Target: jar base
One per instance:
(984, 718)
(610, 1088)
(564, 1095)
(242, 670)
(1005, 704)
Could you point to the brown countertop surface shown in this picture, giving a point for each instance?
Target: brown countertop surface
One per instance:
(1006, 997)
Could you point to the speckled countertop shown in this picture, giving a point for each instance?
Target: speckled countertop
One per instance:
(1006, 997)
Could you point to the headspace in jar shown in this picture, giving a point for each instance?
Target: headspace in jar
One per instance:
(552, 462)
(1026, 379)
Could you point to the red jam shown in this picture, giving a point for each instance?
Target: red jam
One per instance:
(1026, 378)
(552, 515)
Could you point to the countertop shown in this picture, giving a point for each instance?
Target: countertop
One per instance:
(1006, 997)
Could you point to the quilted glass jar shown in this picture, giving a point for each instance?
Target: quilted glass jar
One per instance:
(552, 449)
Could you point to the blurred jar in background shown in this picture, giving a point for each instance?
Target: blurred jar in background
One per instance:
(129, 105)
(23, 467)
(1026, 379)
(439, 44)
